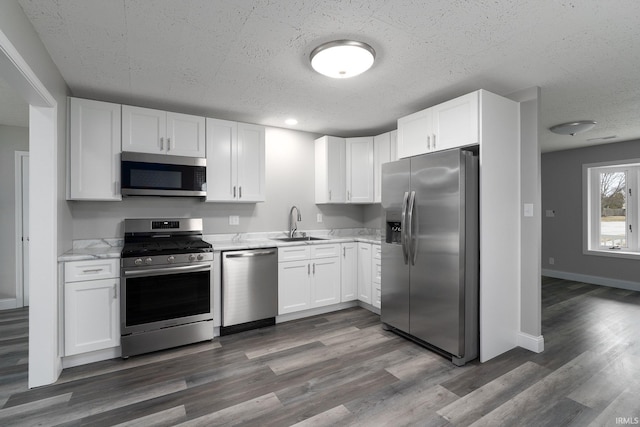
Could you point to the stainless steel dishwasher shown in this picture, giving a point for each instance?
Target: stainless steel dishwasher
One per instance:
(249, 289)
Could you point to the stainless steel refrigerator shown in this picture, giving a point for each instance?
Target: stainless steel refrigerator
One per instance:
(430, 256)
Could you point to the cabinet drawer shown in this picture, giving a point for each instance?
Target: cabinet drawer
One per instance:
(76, 271)
(377, 272)
(325, 251)
(293, 253)
(377, 251)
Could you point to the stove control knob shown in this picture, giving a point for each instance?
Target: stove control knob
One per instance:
(192, 257)
(148, 261)
(200, 257)
(138, 261)
(171, 259)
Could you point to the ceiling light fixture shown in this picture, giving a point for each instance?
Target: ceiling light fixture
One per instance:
(341, 59)
(573, 128)
(291, 122)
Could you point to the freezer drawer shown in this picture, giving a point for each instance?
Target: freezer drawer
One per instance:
(249, 286)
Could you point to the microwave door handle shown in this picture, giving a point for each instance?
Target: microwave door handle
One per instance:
(403, 225)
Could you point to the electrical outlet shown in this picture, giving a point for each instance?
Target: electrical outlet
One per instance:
(550, 213)
(234, 220)
(319, 217)
(552, 260)
(528, 209)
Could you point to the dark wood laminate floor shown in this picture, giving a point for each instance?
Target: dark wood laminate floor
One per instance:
(343, 369)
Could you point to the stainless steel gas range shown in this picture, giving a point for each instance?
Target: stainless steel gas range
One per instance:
(166, 291)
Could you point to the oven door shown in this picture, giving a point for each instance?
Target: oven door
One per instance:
(160, 297)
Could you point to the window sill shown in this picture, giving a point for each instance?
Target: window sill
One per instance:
(613, 253)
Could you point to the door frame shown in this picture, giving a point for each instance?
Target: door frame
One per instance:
(19, 155)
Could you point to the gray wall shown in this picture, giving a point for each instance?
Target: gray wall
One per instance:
(289, 181)
(562, 192)
(12, 139)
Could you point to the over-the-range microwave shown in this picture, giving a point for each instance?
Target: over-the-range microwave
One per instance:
(145, 174)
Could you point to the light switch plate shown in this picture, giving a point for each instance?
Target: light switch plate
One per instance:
(319, 217)
(528, 209)
(550, 213)
(234, 220)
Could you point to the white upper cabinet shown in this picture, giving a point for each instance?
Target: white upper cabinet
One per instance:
(448, 125)
(359, 160)
(94, 150)
(455, 123)
(384, 150)
(145, 130)
(235, 162)
(330, 170)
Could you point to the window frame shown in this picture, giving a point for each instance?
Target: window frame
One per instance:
(591, 208)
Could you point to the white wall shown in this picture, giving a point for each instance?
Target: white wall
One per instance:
(289, 181)
(12, 139)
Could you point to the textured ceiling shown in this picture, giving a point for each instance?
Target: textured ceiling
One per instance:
(248, 60)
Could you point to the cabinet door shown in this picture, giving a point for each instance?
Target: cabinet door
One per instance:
(393, 136)
(325, 284)
(251, 163)
(455, 122)
(376, 276)
(414, 134)
(221, 160)
(185, 135)
(364, 272)
(94, 150)
(91, 316)
(330, 170)
(349, 272)
(359, 161)
(144, 130)
(381, 154)
(294, 286)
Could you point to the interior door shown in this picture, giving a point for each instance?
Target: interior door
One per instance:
(435, 265)
(25, 230)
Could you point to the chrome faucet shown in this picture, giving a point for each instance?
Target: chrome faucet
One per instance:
(293, 225)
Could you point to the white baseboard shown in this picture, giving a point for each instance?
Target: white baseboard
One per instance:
(530, 342)
(315, 311)
(8, 303)
(594, 280)
(94, 356)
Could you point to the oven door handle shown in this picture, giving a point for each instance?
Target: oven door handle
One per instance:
(167, 270)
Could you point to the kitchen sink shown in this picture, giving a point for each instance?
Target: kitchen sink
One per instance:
(298, 239)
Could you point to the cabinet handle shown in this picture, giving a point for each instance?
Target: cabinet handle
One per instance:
(428, 142)
(348, 195)
(161, 144)
(329, 194)
(92, 270)
(308, 269)
(240, 192)
(344, 252)
(434, 141)
(314, 268)
(168, 144)
(234, 191)
(115, 291)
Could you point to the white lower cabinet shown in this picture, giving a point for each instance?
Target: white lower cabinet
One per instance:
(376, 276)
(364, 272)
(308, 277)
(91, 307)
(349, 270)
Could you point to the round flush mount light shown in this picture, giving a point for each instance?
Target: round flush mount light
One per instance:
(573, 128)
(291, 121)
(341, 59)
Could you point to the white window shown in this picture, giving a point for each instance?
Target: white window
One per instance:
(612, 220)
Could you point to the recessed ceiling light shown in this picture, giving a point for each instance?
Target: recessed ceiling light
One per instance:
(342, 59)
(573, 128)
(291, 122)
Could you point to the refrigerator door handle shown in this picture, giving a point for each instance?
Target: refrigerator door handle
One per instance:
(403, 224)
(413, 251)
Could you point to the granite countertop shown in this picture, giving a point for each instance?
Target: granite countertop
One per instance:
(84, 250)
